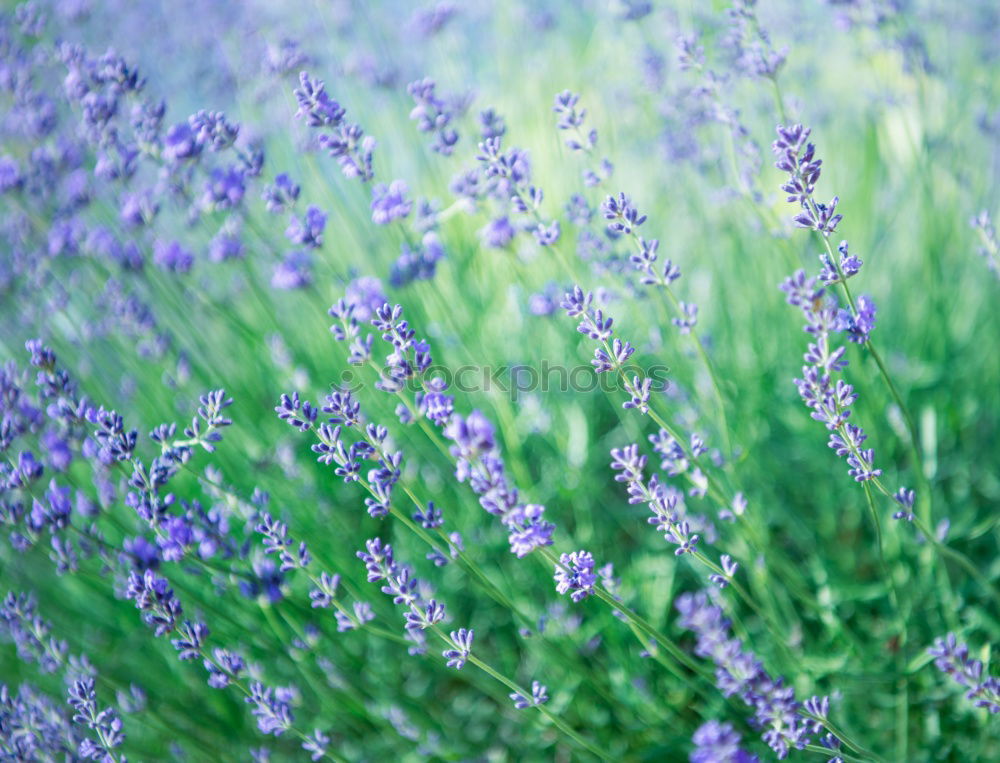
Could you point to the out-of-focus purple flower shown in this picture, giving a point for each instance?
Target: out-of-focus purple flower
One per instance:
(428, 20)
(138, 208)
(10, 174)
(719, 743)
(990, 248)
(498, 232)
(749, 43)
(284, 57)
(106, 724)
(547, 235)
(365, 295)
(315, 744)
(224, 668)
(213, 130)
(860, 326)
(571, 118)
(225, 246)
(271, 709)
(433, 115)
(293, 272)
(180, 143)
(308, 229)
(281, 194)
(491, 124)
(172, 257)
(152, 594)
(315, 106)
(224, 188)
(346, 142)
(389, 202)
(952, 658)
(739, 672)
(417, 264)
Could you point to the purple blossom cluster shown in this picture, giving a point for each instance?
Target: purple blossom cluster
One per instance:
(829, 401)
(749, 44)
(434, 115)
(345, 442)
(952, 658)
(738, 672)
(345, 141)
(571, 120)
(505, 176)
(422, 611)
(21, 623)
(612, 354)
(719, 743)
(539, 696)
(665, 503)
(478, 460)
(44, 728)
(104, 723)
(990, 245)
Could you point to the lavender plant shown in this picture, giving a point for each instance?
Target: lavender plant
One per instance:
(280, 292)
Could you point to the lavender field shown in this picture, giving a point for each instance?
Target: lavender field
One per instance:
(536, 380)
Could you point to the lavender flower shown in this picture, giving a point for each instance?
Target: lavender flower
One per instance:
(293, 272)
(307, 230)
(462, 647)
(405, 589)
(539, 696)
(346, 142)
(152, 594)
(172, 257)
(271, 708)
(433, 115)
(315, 744)
(478, 460)
(666, 504)
(750, 45)
(575, 575)
(831, 402)
(797, 158)
(608, 357)
(315, 106)
(365, 295)
(498, 232)
(571, 118)
(417, 262)
(739, 672)
(224, 668)
(326, 590)
(389, 202)
(718, 743)
(983, 225)
(105, 723)
(952, 658)
(276, 541)
(21, 624)
(299, 414)
(492, 124)
(281, 194)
